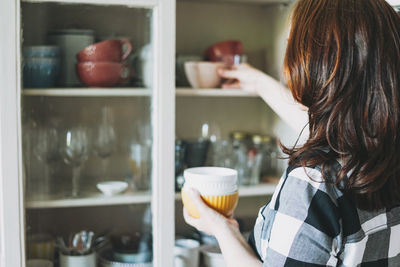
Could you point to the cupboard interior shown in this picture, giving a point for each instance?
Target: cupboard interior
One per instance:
(131, 121)
(261, 28)
(100, 220)
(106, 21)
(263, 32)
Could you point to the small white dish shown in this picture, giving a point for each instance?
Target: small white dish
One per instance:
(112, 188)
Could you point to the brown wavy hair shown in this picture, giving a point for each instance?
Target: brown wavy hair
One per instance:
(343, 62)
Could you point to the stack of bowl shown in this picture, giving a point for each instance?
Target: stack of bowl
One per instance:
(101, 64)
(217, 187)
(41, 65)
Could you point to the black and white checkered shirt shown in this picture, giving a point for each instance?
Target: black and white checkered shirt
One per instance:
(311, 223)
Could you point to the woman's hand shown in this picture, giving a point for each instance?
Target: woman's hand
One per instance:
(236, 250)
(210, 221)
(243, 76)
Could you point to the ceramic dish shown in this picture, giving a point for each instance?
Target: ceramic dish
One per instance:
(111, 188)
(40, 72)
(106, 259)
(41, 51)
(203, 74)
(217, 186)
(132, 257)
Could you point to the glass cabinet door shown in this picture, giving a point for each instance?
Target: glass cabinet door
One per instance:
(91, 122)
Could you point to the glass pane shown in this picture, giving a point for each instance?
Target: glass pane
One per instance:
(87, 133)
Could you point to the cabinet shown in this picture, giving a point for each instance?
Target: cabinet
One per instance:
(155, 113)
(70, 106)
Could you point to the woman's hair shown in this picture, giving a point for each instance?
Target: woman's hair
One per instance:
(343, 62)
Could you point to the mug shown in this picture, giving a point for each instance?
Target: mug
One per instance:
(70, 42)
(186, 252)
(109, 50)
(103, 74)
(78, 261)
(41, 246)
(40, 72)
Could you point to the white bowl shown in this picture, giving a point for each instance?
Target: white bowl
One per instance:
(203, 74)
(111, 188)
(211, 180)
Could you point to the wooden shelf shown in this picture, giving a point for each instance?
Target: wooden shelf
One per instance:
(98, 199)
(265, 189)
(87, 92)
(189, 92)
(94, 199)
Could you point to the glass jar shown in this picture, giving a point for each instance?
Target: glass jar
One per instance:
(270, 152)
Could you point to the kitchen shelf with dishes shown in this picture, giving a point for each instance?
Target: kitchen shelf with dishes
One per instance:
(128, 198)
(87, 92)
(216, 92)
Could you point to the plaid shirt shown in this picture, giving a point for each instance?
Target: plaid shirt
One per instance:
(311, 223)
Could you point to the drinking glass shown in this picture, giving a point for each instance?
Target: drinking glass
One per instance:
(75, 152)
(45, 149)
(105, 139)
(223, 154)
(140, 163)
(232, 60)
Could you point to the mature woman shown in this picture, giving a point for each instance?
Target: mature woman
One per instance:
(338, 203)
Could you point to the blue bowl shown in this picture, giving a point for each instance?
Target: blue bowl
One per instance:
(40, 72)
(41, 51)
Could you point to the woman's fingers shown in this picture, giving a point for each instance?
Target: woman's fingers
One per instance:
(228, 74)
(198, 201)
(188, 219)
(233, 85)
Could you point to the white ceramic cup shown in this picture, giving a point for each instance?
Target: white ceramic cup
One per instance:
(186, 252)
(78, 261)
(41, 246)
(211, 180)
(203, 74)
(39, 263)
(71, 42)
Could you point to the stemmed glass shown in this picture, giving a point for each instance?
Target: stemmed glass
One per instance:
(75, 152)
(105, 139)
(45, 149)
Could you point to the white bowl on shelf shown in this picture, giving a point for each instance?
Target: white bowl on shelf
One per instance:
(203, 74)
(111, 188)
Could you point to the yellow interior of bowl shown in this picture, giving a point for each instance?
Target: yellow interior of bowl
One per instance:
(225, 204)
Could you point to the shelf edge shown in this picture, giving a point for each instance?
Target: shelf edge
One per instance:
(97, 200)
(129, 3)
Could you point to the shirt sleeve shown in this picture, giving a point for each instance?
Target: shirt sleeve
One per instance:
(301, 224)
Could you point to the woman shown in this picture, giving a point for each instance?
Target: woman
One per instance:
(338, 203)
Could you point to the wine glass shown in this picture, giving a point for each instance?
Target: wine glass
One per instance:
(105, 139)
(45, 149)
(75, 152)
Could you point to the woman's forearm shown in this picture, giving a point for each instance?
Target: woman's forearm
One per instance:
(236, 250)
(279, 98)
